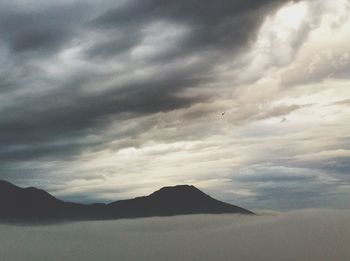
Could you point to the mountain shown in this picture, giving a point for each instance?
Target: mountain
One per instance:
(36, 205)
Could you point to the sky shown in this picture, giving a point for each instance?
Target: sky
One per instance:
(110, 100)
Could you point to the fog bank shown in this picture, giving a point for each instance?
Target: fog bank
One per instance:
(299, 235)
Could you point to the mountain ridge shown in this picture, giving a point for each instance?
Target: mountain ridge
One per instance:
(35, 205)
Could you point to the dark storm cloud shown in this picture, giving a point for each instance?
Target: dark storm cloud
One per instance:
(57, 119)
(213, 25)
(42, 30)
(66, 116)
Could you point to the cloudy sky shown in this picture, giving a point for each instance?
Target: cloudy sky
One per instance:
(114, 99)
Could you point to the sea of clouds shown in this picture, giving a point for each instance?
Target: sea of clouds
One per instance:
(298, 235)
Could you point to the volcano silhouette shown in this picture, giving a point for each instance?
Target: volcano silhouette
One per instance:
(36, 205)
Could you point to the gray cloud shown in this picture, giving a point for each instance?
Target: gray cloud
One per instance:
(54, 119)
(42, 30)
(212, 27)
(57, 121)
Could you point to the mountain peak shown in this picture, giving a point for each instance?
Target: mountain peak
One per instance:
(177, 189)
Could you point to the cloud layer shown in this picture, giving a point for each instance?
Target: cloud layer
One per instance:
(302, 235)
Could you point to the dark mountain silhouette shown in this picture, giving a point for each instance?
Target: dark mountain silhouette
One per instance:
(36, 205)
